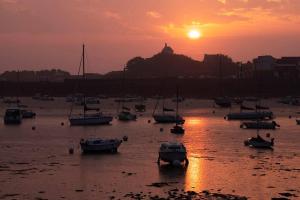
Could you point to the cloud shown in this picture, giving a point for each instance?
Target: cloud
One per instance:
(112, 15)
(153, 14)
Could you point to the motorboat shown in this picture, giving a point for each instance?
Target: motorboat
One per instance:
(259, 125)
(262, 115)
(28, 114)
(177, 129)
(259, 142)
(172, 153)
(90, 119)
(13, 116)
(98, 145)
(126, 116)
(168, 118)
(223, 102)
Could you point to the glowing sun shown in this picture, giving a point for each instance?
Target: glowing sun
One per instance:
(194, 34)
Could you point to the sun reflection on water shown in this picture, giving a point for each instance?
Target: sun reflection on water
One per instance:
(193, 179)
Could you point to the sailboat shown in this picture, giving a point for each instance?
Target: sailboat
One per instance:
(125, 114)
(259, 142)
(222, 101)
(86, 118)
(177, 129)
(166, 117)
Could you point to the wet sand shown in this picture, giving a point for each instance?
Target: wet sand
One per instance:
(35, 164)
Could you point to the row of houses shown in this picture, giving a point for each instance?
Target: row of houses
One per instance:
(285, 67)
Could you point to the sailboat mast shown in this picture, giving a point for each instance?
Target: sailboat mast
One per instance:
(177, 101)
(83, 78)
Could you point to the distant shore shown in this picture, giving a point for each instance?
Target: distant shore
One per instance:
(190, 88)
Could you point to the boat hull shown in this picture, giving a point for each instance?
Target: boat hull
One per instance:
(100, 148)
(85, 121)
(126, 117)
(259, 144)
(259, 125)
(168, 119)
(170, 157)
(250, 116)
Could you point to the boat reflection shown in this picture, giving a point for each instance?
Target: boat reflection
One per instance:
(171, 172)
(193, 179)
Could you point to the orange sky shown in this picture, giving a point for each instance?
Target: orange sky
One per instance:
(38, 34)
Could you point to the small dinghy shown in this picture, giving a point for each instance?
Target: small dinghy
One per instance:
(223, 102)
(259, 142)
(97, 145)
(173, 153)
(28, 114)
(177, 129)
(126, 116)
(259, 125)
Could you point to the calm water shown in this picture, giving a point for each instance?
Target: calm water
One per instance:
(36, 163)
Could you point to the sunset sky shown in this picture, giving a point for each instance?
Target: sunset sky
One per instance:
(36, 34)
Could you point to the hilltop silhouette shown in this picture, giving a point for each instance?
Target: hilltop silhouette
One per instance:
(169, 64)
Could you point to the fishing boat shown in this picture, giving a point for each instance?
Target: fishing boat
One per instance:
(97, 145)
(85, 118)
(259, 142)
(172, 153)
(259, 125)
(13, 116)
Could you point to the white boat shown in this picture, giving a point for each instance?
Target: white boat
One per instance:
(13, 116)
(86, 119)
(259, 142)
(97, 145)
(172, 153)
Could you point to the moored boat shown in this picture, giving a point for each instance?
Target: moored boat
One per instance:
(97, 145)
(267, 115)
(168, 118)
(86, 118)
(259, 142)
(223, 102)
(126, 116)
(28, 114)
(172, 153)
(13, 116)
(177, 129)
(259, 125)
